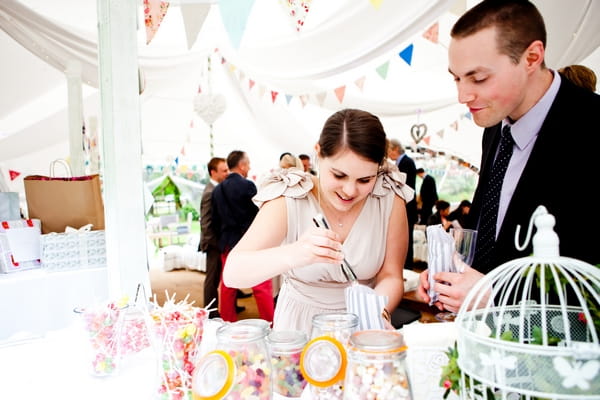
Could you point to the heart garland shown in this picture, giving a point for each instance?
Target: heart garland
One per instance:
(418, 132)
(209, 107)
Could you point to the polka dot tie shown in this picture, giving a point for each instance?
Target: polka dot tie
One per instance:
(486, 232)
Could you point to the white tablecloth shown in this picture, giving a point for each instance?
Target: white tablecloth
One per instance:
(55, 367)
(36, 301)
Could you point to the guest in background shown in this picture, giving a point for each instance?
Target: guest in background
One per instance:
(428, 195)
(289, 161)
(440, 217)
(218, 171)
(233, 212)
(307, 164)
(496, 58)
(459, 215)
(362, 197)
(407, 165)
(580, 75)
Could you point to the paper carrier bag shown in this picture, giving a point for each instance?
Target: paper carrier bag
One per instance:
(64, 201)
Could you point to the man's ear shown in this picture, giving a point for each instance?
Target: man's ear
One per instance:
(534, 55)
(318, 148)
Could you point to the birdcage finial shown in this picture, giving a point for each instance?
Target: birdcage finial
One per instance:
(545, 240)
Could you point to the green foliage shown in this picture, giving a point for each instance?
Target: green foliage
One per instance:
(188, 208)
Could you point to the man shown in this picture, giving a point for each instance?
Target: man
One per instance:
(427, 194)
(307, 164)
(218, 171)
(407, 165)
(496, 56)
(232, 213)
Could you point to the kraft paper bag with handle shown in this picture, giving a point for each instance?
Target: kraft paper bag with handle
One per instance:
(64, 201)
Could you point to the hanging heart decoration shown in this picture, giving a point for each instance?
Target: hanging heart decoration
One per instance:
(418, 132)
(209, 106)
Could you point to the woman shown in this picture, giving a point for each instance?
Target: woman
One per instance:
(361, 196)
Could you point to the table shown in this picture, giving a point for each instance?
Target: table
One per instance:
(54, 367)
(36, 301)
(414, 302)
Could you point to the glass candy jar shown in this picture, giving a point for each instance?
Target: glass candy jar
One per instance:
(239, 368)
(102, 325)
(285, 348)
(323, 360)
(376, 366)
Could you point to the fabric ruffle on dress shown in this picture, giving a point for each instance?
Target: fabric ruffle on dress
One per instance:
(389, 178)
(288, 182)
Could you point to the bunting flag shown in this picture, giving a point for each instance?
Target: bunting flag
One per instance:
(376, 3)
(339, 93)
(13, 174)
(432, 34)
(288, 98)
(250, 84)
(274, 95)
(454, 125)
(427, 139)
(234, 14)
(176, 160)
(297, 11)
(440, 133)
(193, 19)
(303, 99)
(360, 82)
(321, 97)
(382, 70)
(407, 53)
(468, 115)
(182, 152)
(154, 12)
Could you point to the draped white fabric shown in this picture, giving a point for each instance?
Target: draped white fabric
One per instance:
(341, 41)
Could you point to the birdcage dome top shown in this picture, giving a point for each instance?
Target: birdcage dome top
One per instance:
(531, 326)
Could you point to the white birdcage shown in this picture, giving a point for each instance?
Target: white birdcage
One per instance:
(529, 329)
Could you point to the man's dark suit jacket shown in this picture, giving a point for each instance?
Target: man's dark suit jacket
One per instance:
(232, 209)
(208, 238)
(407, 165)
(561, 174)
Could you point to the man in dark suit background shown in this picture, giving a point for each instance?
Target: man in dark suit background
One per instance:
(218, 171)
(496, 57)
(232, 213)
(407, 165)
(428, 195)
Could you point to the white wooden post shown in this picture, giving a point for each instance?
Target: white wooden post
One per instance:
(121, 138)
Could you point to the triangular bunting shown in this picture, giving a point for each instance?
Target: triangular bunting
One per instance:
(382, 70)
(176, 160)
(376, 3)
(360, 82)
(427, 139)
(468, 115)
(250, 84)
(154, 12)
(440, 133)
(454, 125)
(303, 99)
(234, 14)
(288, 98)
(182, 150)
(432, 34)
(13, 174)
(193, 18)
(406, 54)
(274, 95)
(321, 98)
(339, 93)
(297, 11)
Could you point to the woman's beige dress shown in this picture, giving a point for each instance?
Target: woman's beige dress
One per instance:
(319, 288)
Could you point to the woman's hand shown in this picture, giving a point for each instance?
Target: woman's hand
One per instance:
(453, 287)
(316, 245)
